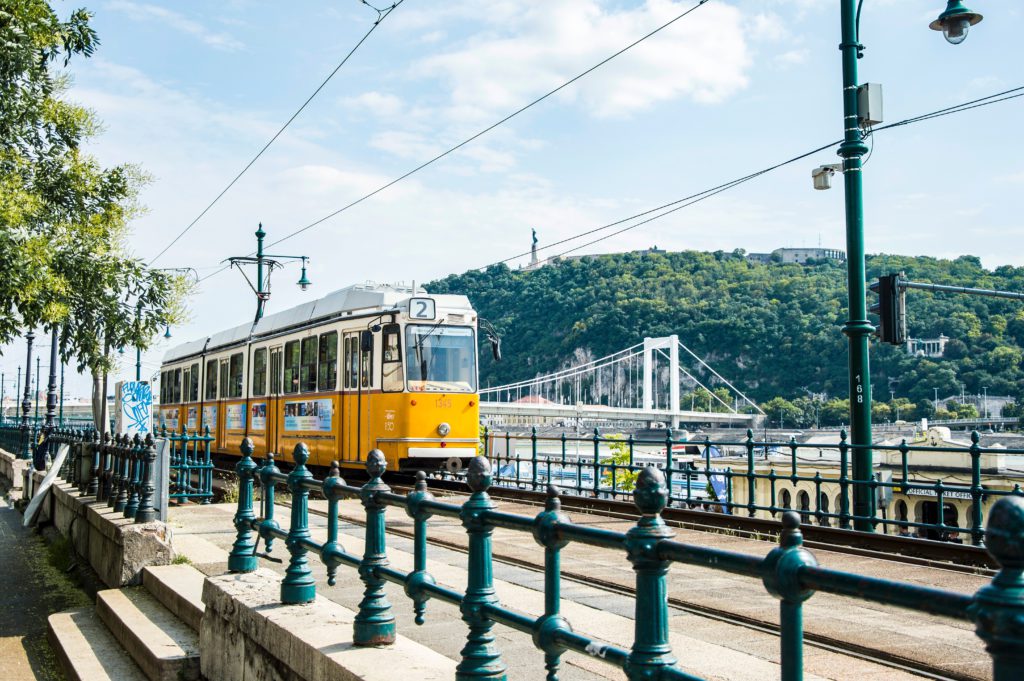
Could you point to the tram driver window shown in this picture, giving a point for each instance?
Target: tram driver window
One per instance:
(391, 359)
(291, 367)
(193, 384)
(211, 379)
(237, 360)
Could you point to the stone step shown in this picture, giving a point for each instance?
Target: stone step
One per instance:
(87, 651)
(179, 588)
(164, 647)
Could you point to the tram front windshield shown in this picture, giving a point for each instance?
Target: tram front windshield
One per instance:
(440, 358)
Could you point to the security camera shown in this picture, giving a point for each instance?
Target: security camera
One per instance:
(822, 175)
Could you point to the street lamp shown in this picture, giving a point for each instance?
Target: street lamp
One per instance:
(270, 262)
(955, 22)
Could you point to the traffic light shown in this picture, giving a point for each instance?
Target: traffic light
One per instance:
(891, 309)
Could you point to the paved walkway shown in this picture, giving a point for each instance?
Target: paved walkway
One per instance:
(33, 590)
(708, 647)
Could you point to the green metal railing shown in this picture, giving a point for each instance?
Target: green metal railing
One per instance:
(607, 465)
(120, 470)
(789, 572)
(191, 468)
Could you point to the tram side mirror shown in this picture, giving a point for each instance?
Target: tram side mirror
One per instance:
(366, 341)
(495, 347)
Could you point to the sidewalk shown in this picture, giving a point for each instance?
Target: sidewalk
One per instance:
(33, 589)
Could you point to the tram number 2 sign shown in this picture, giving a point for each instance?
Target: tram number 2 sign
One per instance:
(422, 308)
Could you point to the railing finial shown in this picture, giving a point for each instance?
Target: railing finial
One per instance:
(478, 475)
(651, 492)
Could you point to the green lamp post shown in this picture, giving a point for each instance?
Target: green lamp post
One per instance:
(265, 266)
(954, 24)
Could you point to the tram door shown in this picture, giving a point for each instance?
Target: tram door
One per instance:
(348, 446)
(275, 409)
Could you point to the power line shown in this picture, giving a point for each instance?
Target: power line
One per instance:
(381, 16)
(687, 201)
(486, 130)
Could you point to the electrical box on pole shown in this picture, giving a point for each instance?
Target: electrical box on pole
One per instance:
(891, 309)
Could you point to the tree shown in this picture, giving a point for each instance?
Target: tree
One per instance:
(63, 217)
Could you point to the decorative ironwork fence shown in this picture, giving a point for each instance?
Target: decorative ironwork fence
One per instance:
(120, 470)
(727, 476)
(789, 572)
(191, 468)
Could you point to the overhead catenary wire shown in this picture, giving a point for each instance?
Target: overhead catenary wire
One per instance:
(382, 14)
(685, 202)
(679, 204)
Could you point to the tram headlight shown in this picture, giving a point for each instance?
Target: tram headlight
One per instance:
(443, 429)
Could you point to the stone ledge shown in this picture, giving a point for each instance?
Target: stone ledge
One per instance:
(116, 547)
(13, 470)
(247, 634)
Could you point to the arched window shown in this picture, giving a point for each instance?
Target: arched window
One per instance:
(823, 509)
(785, 499)
(901, 515)
(804, 501)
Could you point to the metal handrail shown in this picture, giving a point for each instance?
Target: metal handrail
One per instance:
(596, 469)
(789, 572)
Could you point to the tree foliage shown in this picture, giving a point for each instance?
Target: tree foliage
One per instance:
(63, 216)
(772, 329)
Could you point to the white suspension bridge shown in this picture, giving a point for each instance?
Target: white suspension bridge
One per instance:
(644, 384)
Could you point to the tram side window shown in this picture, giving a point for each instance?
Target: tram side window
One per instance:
(259, 372)
(307, 369)
(193, 384)
(185, 379)
(349, 368)
(236, 385)
(391, 356)
(291, 367)
(327, 371)
(211, 379)
(163, 387)
(176, 387)
(366, 367)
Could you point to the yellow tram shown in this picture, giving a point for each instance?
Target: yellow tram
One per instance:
(366, 367)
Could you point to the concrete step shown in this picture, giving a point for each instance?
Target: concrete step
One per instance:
(164, 647)
(87, 651)
(179, 588)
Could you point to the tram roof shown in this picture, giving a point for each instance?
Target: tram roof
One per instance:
(359, 298)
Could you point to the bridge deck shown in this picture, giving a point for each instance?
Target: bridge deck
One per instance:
(728, 646)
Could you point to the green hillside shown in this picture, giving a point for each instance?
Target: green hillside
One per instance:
(772, 329)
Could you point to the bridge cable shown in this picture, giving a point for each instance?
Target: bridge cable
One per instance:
(381, 16)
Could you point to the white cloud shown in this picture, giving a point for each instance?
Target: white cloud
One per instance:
(375, 103)
(702, 57)
(171, 19)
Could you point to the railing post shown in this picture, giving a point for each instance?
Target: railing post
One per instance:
(298, 585)
(545, 633)
(92, 488)
(374, 623)
(243, 552)
(844, 480)
(998, 609)
(651, 651)
(208, 469)
(419, 577)
(135, 475)
(781, 577)
(146, 512)
(751, 481)
(124, 473)
(977, 534)
(105, 476)
(480, 657)
(268, 524)
(332, 550)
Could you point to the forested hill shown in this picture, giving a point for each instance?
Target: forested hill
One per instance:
(772, 329)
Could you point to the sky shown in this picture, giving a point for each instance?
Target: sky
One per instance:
(190, 91)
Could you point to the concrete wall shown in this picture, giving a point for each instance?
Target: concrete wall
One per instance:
(12, 470)
(116, 547)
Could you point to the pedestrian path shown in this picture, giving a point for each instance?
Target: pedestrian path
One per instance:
(711, 648)
(33, 590)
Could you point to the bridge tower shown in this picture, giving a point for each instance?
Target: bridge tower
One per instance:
(650, 345)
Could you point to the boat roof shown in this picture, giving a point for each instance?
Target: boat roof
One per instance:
(351, 300)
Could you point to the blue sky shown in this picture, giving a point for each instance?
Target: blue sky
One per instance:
(191, 90)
